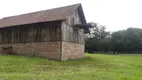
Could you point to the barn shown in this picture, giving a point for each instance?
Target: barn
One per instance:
(57, 33)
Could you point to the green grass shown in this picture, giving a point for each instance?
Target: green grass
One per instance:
(91, 67)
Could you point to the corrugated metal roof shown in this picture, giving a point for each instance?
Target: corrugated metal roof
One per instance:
(41, 16)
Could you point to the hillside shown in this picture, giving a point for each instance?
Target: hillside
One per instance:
(91, 67)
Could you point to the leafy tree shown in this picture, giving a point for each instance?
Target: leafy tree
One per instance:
(98, 39)
(123, 41)
(129, 40)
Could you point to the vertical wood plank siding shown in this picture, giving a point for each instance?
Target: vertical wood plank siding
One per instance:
(72, 35)
(39, 32)
(69, 32)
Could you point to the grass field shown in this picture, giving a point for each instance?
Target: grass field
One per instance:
(91, 67)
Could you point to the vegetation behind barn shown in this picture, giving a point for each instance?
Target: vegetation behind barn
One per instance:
(127, 41)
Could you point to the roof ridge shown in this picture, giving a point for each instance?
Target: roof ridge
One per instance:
(53, 14)
(78, 4)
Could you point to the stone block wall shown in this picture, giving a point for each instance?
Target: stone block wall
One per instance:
(49, 50)
(72, 51)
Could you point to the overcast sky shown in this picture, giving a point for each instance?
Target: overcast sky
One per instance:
(114, 14)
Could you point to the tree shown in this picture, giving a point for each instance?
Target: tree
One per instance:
(118, 41)
(129, 40)
(98, 40)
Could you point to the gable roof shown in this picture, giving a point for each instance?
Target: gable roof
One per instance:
(41, 16)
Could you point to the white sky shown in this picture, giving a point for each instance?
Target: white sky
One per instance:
(114, 14)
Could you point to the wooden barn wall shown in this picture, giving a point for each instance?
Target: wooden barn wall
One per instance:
(39, 32)
(69, 32)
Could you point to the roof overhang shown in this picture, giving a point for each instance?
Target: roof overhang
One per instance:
(84, 26)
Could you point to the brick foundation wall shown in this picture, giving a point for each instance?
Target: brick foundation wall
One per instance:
(42, 49)
(49, 50)
(72, 50)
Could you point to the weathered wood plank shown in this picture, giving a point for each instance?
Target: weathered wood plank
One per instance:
(39, 32)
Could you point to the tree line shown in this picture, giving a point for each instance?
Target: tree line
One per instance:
(122, 41)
